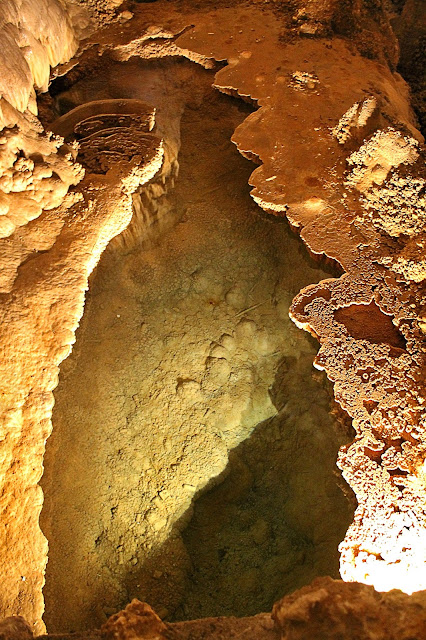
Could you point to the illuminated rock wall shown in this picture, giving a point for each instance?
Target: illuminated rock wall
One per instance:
(358, 203)
(35, 174)
(38, 320)
(50, 242)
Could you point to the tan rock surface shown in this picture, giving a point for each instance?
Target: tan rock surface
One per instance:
(169, 387)
(329, 185)
(38, 320)
(34, 36)
(34, 177)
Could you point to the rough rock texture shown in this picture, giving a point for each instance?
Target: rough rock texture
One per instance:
(187, 372)
(34, 36)
(165, 89)
(35, 175)
(325, 610)
(39, 315)
(329, 609)
(137, 620)
(327, 187)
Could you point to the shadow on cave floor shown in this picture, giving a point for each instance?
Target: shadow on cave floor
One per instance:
(273, 519)
(274, 516)
(183, 356)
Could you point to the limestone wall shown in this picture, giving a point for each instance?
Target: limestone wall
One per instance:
(50, 242)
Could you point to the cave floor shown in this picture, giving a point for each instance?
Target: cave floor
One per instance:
(192, 461)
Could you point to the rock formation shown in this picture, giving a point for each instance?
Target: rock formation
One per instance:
(339, 155)
(359, 204)
(188, 334)
(34, 38)
(46, 267)
(326, 609)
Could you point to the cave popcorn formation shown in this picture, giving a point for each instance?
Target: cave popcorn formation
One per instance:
(347, 172)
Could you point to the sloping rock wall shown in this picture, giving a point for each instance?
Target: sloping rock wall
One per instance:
(46, 265)
(358, 203)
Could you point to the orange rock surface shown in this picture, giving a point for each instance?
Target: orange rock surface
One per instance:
(340, 157)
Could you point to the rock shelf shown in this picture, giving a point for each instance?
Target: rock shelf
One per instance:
(324, 183)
